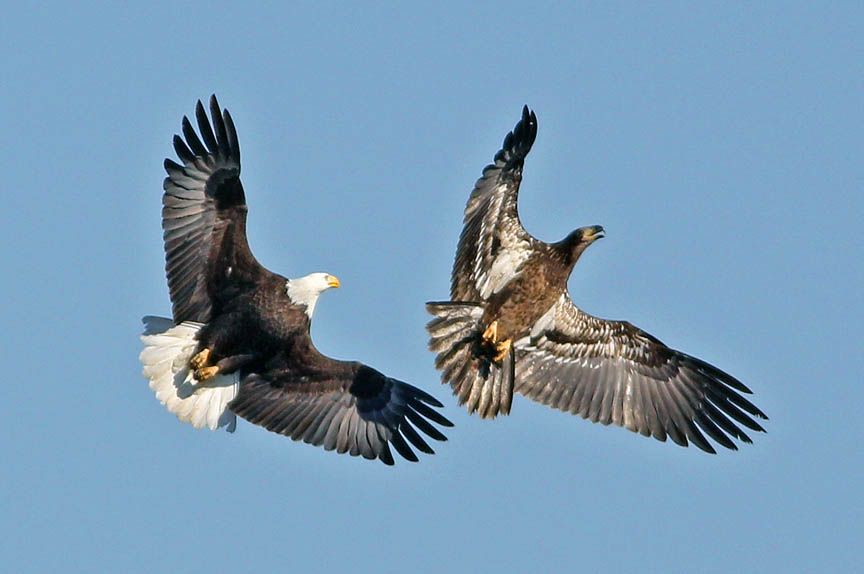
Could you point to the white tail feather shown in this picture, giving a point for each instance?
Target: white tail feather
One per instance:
(167, 349)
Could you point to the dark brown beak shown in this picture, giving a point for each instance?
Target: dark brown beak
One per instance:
(593, 233)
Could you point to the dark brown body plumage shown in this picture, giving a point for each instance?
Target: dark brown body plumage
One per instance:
(526, 298)
(257, 322)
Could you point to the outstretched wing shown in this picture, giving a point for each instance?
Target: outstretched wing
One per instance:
(204, 214)
(613, 372)
(348, 407)
(493, 244)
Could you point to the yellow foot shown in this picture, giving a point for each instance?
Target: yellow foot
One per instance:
(200, 360)
(205, 373)
(501, 350)
(490, 335)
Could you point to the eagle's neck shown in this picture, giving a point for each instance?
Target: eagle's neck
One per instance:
(570, 249)
(303, 293)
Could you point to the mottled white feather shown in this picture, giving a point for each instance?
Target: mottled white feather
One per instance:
(506, 267)
(492, 272)
(167, 349)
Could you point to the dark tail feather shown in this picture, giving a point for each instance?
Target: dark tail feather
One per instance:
(479, 383)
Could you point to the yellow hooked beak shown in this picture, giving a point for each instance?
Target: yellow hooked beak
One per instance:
(333, 281)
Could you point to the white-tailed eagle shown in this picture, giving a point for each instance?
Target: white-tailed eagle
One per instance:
(239, 342)
(510, 325)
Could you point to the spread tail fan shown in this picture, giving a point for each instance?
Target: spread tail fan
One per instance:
(167, 349)
(479, 383)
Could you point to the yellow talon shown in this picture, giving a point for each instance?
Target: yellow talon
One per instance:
(200, 360)
(205, 373)
(502, 349)
(490, 335)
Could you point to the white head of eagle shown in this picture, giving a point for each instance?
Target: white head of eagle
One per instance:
(306, 290)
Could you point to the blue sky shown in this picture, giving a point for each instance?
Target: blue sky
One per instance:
(718, 144)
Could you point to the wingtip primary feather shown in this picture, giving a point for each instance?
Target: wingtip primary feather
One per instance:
(518, 142)
(215, 108)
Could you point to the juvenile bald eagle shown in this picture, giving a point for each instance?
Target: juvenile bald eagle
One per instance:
(239, 340)
(510, 325)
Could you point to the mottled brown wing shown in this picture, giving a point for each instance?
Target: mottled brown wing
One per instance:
(204, 214)
(493, 243)
(613, 372)
(344, 406)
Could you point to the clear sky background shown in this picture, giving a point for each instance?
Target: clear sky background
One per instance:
(719, 144)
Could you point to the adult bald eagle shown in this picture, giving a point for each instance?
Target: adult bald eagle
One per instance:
(239, 340)
(510, 325)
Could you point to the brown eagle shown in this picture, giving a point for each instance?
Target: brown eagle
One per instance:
(239, 342)
(510, 325)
